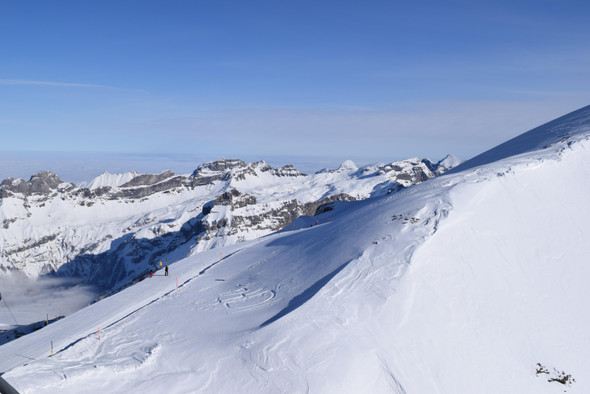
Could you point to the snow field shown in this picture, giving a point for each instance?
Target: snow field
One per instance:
(219, 312)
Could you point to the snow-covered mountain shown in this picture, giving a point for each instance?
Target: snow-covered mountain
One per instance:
(472, 282)
(113, 229)
(107, 179)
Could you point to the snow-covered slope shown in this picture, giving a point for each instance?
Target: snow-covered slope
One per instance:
(568, 127)
(107, 179)
(117, 227)
(472, 282)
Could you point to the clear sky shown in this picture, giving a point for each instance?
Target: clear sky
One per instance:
(308, 81)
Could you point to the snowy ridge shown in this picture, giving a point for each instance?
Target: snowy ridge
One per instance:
(570, 127)
(473, 282)
(108, 180)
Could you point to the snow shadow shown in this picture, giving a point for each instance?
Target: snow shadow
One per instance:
(302, 298)
(130, 259)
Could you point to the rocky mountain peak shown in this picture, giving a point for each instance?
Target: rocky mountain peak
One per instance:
(42, 183)
(218, 166)
(288, 170)
(212, 171)
(261, 166)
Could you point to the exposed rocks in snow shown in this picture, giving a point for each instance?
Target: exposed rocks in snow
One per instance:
(555, 375)
(43, 183)
(150, 179)
(111, 230)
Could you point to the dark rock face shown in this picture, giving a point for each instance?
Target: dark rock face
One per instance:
(217, 166)
(150, 179)
(220, 165)
(287, 170)
(43, 183)
(234, 198)
(213, 171)
(11, 186)
(140, 192)
(129, 258)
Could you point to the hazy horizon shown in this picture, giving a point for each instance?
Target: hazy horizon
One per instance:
(326, 81)
(84, 166)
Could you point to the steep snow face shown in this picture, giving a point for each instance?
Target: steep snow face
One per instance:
(109, 180)
(472, 282)
(447, 163)
(501, 286)
(569, 127)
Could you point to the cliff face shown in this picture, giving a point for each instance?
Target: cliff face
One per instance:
(111, 234)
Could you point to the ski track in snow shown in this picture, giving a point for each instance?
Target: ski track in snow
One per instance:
(244, 296)
(157, 299)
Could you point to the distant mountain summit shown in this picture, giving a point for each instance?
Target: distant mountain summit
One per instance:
(42, 183)
(109, 180)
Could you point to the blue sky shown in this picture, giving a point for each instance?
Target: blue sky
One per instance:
(312, 82)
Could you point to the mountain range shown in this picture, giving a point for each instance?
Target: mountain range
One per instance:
(115, 228)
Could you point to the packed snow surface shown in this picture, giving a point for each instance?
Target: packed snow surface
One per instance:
(473, 282)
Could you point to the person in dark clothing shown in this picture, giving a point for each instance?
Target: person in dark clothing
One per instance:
(166, 270)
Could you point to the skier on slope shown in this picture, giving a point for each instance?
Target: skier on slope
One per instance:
(151, 273)
(166, 270)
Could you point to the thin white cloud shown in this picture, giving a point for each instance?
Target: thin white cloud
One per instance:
(23, 82)
(33, 300)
